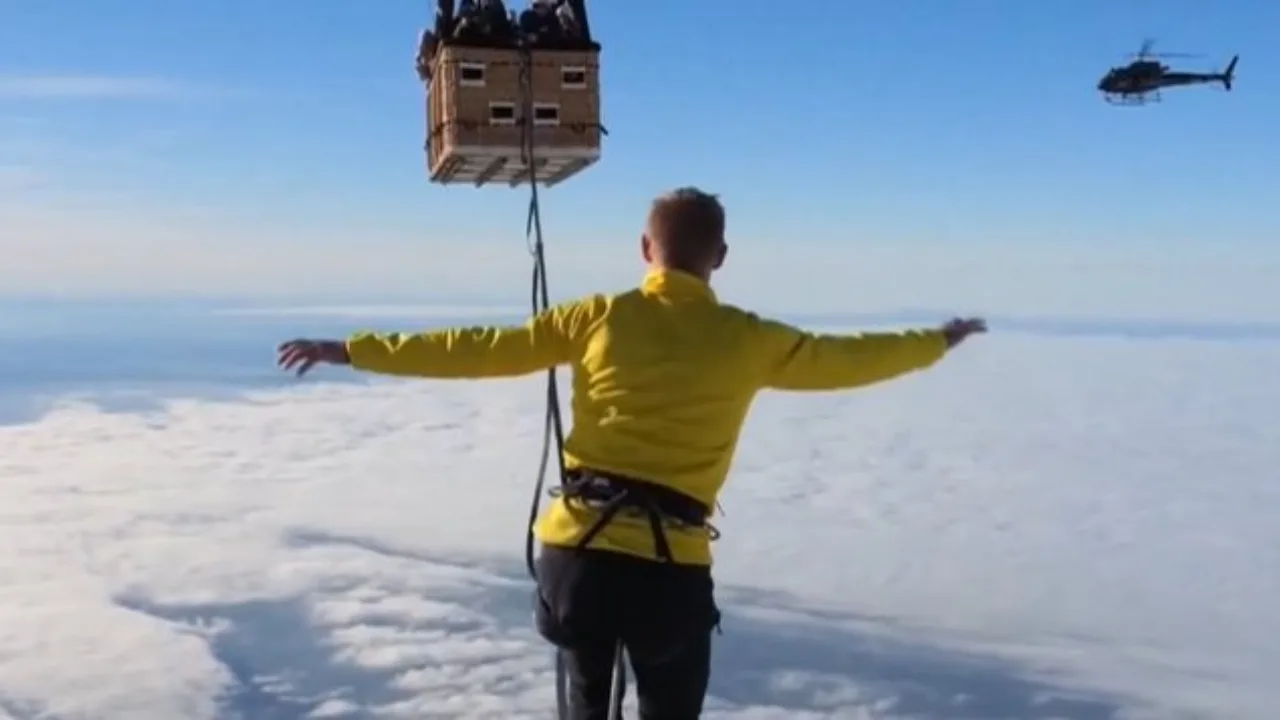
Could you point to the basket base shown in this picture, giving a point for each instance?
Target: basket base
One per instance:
(480, 166)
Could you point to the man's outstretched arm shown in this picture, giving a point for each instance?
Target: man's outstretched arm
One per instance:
(548, 339)
(463, 352)
(800, 360)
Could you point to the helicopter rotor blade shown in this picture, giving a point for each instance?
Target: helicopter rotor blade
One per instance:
(1165, 55)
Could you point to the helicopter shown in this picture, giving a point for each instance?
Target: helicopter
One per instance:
(1140, 81)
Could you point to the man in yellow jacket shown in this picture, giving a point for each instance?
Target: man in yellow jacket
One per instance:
(663, 376)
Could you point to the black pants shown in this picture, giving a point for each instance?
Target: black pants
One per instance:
(664, 614)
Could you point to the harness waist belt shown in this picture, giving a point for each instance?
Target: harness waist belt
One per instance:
(600, 488)
(610, 494)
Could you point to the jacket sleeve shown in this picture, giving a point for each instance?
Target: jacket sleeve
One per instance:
(798, 360)
(549, 338)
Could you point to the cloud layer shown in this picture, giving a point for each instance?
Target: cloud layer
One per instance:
(1009, 536)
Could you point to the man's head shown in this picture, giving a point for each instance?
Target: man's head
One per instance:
(685, 231)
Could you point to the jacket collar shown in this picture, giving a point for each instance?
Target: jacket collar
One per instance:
(676, 284)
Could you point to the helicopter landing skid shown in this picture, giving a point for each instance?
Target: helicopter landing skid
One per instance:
(1133, 99)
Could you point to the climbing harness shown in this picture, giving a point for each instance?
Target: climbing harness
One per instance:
(554, 425)
(610, 494)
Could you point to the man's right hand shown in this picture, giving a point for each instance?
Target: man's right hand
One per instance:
(301, 355)
(958, 329)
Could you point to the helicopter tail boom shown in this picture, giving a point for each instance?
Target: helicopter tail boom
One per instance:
(1229, 74)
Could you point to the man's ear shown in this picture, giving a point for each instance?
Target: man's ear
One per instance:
(720, 256)
(646, 248)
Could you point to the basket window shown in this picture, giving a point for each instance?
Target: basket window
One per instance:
(573, 77)
(502, 113)
(546, 114)
(471, 74)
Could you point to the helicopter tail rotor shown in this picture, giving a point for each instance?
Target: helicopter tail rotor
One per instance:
(1229, 74)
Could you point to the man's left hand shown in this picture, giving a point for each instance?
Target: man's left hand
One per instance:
(960, 328)
(302, 355)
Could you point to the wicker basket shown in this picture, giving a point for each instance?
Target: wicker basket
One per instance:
(475, 115)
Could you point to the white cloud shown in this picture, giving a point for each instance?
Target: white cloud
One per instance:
(87, 87)
(1091, 520)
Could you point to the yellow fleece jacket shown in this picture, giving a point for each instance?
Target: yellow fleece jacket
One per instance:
(663, 376)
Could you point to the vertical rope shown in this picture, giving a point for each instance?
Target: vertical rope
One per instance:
(554, 427)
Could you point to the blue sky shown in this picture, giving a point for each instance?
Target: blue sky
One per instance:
(876, 154)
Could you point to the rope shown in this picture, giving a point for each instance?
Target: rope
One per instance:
(554, 427)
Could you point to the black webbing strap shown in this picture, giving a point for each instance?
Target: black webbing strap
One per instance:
(611, 494)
